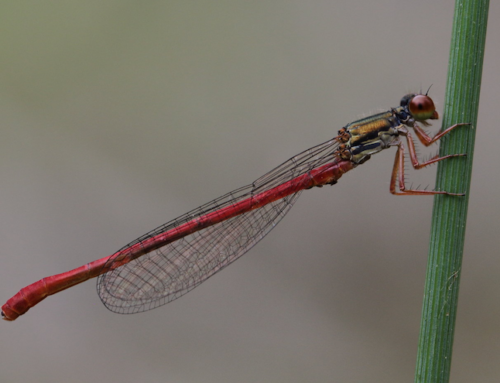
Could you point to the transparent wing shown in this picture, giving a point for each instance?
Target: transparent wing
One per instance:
(170, 271)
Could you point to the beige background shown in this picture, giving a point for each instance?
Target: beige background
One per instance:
(119, 116)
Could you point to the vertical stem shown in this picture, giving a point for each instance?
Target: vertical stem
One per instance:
(450, 213)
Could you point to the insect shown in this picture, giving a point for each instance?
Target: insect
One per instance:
(176, 257)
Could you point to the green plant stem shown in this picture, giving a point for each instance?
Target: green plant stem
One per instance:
(450, 213)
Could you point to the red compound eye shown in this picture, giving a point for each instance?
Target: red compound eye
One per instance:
(422, 108)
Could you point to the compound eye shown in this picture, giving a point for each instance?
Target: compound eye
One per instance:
(422, 108)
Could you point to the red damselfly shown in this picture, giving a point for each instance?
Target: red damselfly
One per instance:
(173, 259)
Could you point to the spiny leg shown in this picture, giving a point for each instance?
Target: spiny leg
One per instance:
(398, 173)
(426, 140)
(413, 155)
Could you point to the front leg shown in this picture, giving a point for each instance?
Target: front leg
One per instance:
(426, 140)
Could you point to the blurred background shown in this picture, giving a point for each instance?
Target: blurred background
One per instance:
(119, 116)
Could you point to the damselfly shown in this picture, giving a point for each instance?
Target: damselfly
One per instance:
(174, 258)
